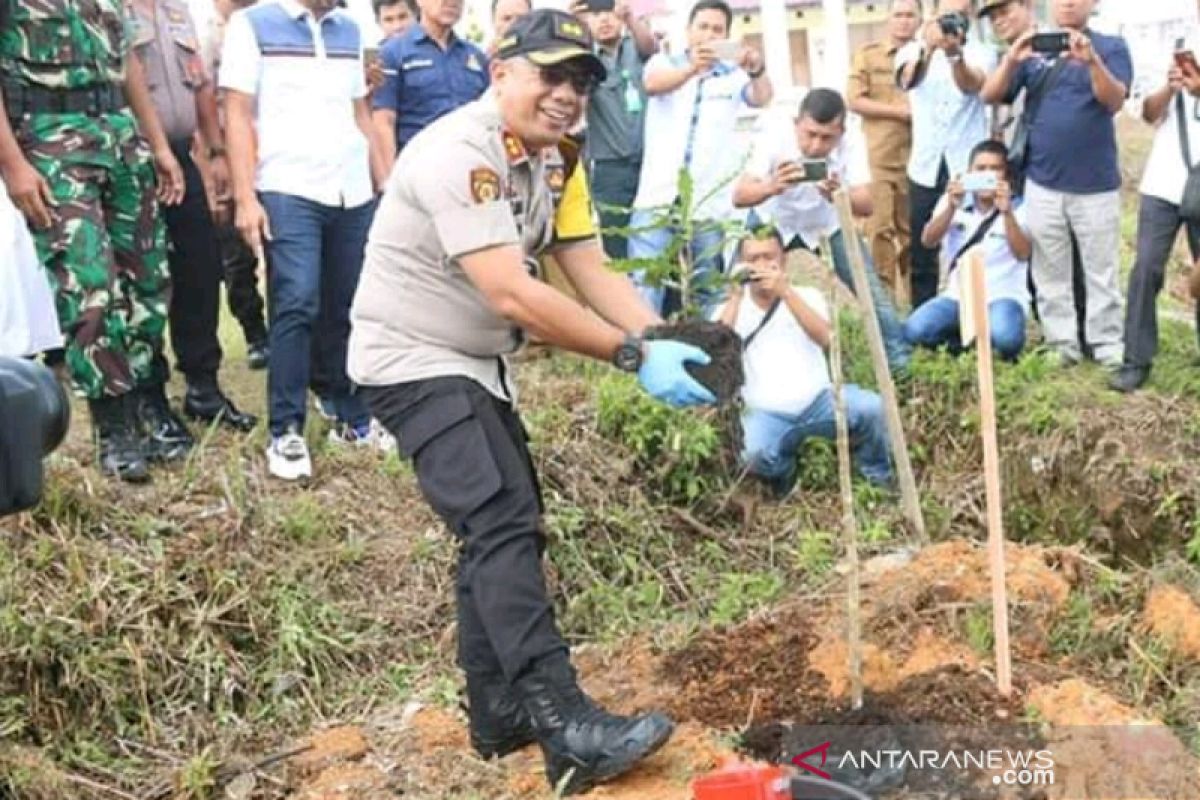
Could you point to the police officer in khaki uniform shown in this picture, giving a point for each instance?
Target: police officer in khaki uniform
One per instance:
(887, 124)
(165, 41)
(448, 290)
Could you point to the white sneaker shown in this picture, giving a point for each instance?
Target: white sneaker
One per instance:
(383, 440)
(287, 456)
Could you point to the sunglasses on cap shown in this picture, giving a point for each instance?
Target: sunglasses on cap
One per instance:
(581, 78)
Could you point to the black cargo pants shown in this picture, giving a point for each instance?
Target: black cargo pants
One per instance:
(473, 465)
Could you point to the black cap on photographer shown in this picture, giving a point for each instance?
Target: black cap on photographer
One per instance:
(548, 37)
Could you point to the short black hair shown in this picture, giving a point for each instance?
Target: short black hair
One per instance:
(712, 5)
(380, 5)
(758, 234)
(824, 106)
(919, 4)
(992, 147)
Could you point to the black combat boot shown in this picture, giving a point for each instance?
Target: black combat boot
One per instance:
(118, 446)
(166, 437)
(499, 724)
(582, 743)
(205, 401)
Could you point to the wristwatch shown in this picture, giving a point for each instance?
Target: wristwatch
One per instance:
(954, 58)
(628, 355)
(216, 151)
(757, 73)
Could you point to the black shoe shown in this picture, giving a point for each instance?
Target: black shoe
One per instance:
(1129, 378)
(499, 724)
(166, 437)
(119, 451)
(257, 354)
(582, 743)
(205, 401)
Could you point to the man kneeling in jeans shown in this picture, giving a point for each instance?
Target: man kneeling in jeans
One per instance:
(788, 394)
(993, 219)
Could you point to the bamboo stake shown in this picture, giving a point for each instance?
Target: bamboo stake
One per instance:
(849, 523)
(910, 500)
(991, 469)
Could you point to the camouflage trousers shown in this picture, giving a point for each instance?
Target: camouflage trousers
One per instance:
(106, 249)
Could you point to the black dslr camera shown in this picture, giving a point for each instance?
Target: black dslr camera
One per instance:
(955, 24)
(34, 415)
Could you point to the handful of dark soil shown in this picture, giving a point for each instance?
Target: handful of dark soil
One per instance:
(723, 374)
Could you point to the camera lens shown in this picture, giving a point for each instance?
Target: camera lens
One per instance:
(36, 399)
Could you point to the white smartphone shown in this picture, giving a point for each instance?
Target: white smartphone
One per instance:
(979, 182)
(727, 49)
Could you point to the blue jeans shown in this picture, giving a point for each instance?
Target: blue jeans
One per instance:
(771, 440)
(936, 323)
(614, 184)
(314, 258)
(895, 344)
(705, 254)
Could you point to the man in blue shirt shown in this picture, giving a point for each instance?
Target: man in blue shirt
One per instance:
(1072, 176)
(428, 72)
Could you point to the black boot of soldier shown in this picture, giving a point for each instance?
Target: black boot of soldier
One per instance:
(166, 437)
(499, 724)
(582, 743)
(118, 446)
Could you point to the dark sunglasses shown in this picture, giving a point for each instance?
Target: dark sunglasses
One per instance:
(582, 79)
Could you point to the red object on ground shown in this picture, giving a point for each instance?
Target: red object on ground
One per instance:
(742, 781)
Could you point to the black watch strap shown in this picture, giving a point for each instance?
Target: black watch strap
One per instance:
(628, 355)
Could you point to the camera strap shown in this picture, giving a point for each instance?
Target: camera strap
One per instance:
(974, 239)
(762, 323)
(1181, 113)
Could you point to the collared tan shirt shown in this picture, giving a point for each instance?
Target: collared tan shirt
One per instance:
(462, 185)
(873, 76)
(164, 38)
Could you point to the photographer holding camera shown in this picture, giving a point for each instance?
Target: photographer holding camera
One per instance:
(788, 393)
(1162, 211)
(979, 209)
(942, 72)
(1072, 175)
(795, 167)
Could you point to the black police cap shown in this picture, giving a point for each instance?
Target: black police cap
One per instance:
(547, 36)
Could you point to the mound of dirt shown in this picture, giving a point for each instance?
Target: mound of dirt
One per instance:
(1172, 616)
(723, 374)
(951, 710)
(758, 670)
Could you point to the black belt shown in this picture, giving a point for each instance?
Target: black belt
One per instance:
(22, 99)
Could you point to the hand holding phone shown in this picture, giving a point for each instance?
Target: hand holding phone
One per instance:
(727, 49)
(1051, 43)
(814, 169)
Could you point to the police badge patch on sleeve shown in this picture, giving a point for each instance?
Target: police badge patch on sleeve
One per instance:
(485, 185)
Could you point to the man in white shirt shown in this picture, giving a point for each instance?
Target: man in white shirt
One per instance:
(942, 72)
(788, 393)
(691, 111)
(1159, 218)
(299, 133)
(994, 220)
(784, 184)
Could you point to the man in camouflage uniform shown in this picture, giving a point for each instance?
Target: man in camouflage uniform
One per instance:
(77, 166)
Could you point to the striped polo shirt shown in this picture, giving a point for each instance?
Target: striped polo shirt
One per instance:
(305, 75)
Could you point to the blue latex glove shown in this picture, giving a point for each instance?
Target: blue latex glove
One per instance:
(663, 377)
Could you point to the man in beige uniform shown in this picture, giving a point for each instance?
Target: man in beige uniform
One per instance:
(449, 288)
(165, 41)
(874, 95)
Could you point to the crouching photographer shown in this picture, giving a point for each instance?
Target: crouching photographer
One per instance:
(34, 415)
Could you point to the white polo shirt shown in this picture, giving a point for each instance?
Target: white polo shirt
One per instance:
(946, 123)
(693, 126)
(1007, 277)
(802, 210)
(785, 369)
(1166, 174)
(304, 75)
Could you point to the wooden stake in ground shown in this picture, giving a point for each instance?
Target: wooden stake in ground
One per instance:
(883, 375)
(973, 288)
(849, 522)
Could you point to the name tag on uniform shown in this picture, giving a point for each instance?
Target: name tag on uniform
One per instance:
(417, 63)
(473, 63)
